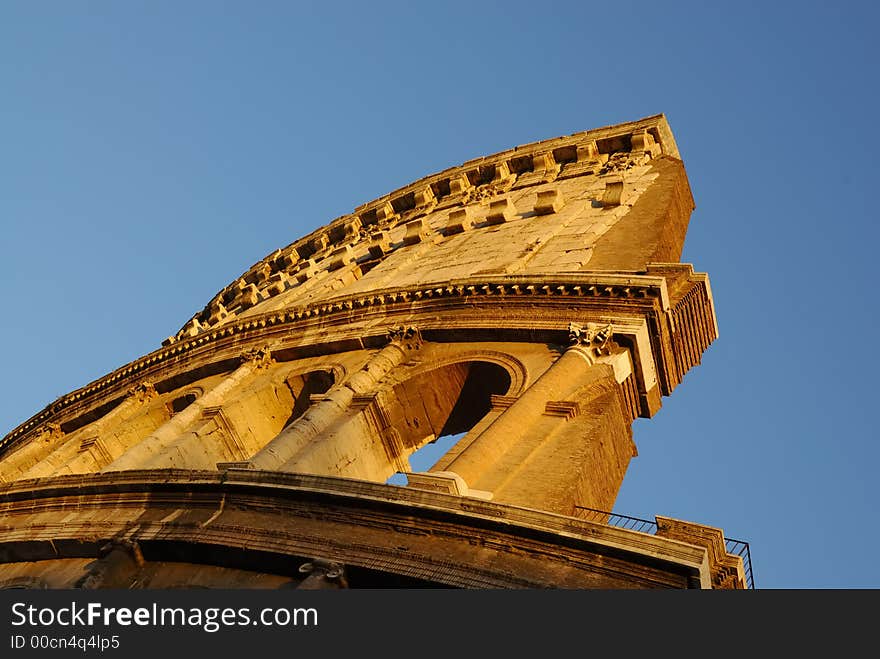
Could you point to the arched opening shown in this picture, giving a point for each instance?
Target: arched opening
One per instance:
(304, 387)
(432, 411)
(182, 402)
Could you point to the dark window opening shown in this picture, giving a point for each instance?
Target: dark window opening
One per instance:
(182, 402)
(304, 387)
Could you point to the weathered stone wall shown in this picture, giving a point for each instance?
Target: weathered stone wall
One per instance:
(530, 301)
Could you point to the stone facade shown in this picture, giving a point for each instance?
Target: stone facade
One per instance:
(530, 303)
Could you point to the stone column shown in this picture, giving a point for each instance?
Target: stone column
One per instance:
(48, 439)
(284, 448)
(96, 455)
(144, 451)
(564, 376)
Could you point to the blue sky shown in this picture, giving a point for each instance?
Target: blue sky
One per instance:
(151, 151)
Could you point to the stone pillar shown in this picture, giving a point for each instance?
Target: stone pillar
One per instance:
(44, 442)
(282, 452)
(144, 451)
(564, 376)
(575, 455)
(91, 452)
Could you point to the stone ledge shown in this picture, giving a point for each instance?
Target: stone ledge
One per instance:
(203, 490)
(571, 286)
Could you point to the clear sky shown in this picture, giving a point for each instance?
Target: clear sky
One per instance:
(150, 152)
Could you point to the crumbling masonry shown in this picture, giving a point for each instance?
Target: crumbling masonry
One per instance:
(531, 303)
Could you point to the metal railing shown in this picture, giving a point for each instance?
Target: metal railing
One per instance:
(732, 546)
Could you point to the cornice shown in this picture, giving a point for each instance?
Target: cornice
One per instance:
(136, 487)
(583, 289)
(606, 152)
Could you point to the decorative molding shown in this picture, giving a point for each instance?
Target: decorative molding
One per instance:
(612, 149)
(549, 201)
(231, 438)
(501, 402)
(407, 336)
(580, 287)
(165, 489)
(562, 408)
(142, 392)
(645, 289)
(260, 357)
(594, 337)
(727, 570)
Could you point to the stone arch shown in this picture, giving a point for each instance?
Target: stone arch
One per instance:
(515, 369)
(184, 399)
(446, 399)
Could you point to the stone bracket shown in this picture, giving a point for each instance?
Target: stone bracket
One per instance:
(501, 402)
(562, 408)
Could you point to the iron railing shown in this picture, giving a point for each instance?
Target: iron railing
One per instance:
(735, 547)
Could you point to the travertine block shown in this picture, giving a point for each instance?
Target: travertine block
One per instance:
(424, 197)
(340, 257)
(460, 219)
(459, 184)
(549, 201)
(379, 244)
(500, 211)
(385, 213)
(416, 232)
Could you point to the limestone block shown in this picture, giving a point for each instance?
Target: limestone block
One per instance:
(248, 297)
(502, 173)
(643, 141)
(460, 219)
(424, 197)
(549, 201)
(277, 283)
(544, 170)
(305, 271)
(340, 257)
(351, 228)
(380, 245)
(588, 152)
(385, 213)
(192, 328)
(447, 482)
(500, 211)
(613, 195)
(288, 261)
(258, 274)
(416, 232)
(588, 160)
(216, 313)
(320, 242)
(459, 184)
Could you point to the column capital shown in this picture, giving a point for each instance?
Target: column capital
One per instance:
(594, 339)
(142, 392)
(259, 357)
(407, 336)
